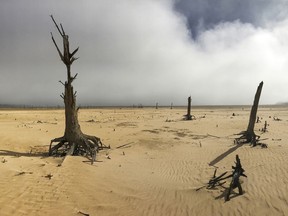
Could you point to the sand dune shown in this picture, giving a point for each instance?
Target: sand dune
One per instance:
(156, 171)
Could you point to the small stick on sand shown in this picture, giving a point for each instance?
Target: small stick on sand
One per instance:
(121, 146)
(22, 173)
(79, 212)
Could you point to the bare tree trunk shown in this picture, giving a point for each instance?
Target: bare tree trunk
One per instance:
(188, 116)
(249, 135)
(254, 109)
(74, 142)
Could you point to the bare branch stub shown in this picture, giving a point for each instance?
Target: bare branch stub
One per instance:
(73, 78)
(73, 53)
(61, 82)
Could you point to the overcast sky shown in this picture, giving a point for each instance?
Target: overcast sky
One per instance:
(146, 51)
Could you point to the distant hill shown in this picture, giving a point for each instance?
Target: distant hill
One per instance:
(282, 103)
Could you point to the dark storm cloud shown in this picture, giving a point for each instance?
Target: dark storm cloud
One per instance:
(206, 14)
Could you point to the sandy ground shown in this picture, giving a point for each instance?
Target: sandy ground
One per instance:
(156, 173)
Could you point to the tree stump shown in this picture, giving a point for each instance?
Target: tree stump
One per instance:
(73, 142)
(249, 136)
(235, 182)
(188, 116)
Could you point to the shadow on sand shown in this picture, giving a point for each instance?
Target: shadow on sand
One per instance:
(225, 154)
(225, 191)
(23, 154)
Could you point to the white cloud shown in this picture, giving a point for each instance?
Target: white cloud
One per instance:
(140, 52)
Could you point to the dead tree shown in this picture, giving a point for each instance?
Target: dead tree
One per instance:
(73, 142)
(249, 136)
(188, 116)
(264, 129)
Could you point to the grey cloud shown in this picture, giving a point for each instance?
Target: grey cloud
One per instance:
(205, 14)
(138, 52)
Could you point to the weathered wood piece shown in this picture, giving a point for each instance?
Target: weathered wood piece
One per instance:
(214, 181)
(219, 180)
(235, 182)
(249, 136)
(73, 142)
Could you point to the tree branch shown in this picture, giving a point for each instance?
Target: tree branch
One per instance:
(62, 29)
(60, 54)
(72, 79)
(73, 53)
(61, 82)
(57, 26)
(73, 59)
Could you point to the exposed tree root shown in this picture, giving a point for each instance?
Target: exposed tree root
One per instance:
(247, 137)
(251, 138)
(85, 145)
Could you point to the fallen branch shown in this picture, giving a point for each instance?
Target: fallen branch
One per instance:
(22, 173)
(214, 181)
(121, 146)
(276, 139)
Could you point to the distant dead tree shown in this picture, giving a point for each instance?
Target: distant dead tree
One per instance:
(73, 142)
(249, 136)
(188, 116)
(264, 129)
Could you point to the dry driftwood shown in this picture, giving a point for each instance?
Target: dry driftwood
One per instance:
(217, 181)
(235, 182)
(214, 181)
